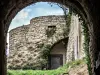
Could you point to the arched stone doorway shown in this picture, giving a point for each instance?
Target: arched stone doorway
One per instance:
(57, 56)
(89, 9)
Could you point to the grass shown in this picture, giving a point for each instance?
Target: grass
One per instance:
(63, 69)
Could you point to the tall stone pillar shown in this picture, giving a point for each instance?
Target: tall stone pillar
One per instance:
(75, 47)
(2, 51)
(72, 48)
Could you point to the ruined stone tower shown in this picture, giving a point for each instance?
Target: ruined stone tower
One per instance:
(27, 42)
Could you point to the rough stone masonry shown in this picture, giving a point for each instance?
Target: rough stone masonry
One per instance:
(25, 41)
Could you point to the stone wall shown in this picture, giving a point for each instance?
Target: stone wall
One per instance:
(10, 8)
(25, 41)
(76, 40)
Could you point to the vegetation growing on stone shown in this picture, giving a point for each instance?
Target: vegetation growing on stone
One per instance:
(37, 47)
(63, 69)
(45, 52)
(23, 46)
(67, 26)
(86, 46)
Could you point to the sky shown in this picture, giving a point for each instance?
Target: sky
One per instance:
(35, 10)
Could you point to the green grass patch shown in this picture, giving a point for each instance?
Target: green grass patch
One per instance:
(63, 69)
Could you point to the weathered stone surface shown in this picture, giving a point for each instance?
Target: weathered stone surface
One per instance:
(76, 40)
(24, 41)
(89, 9)
(79, 70)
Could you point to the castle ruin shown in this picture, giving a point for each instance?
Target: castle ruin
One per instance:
(63, 42)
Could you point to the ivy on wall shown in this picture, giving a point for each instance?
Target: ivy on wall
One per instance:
(86, 46)
(67, 17)
(44, 53)
(86, 40)
(66, 29)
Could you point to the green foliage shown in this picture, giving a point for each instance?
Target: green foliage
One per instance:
(66, 28)
(40, 45)
(59, 71)
(86, 46)
(45, 51)
(30, 66)
(25, 67)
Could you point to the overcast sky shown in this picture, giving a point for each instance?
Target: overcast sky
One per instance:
(35, 10)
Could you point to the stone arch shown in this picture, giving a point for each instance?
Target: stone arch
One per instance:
(58, 51)
(65, 40)
(88, 9)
